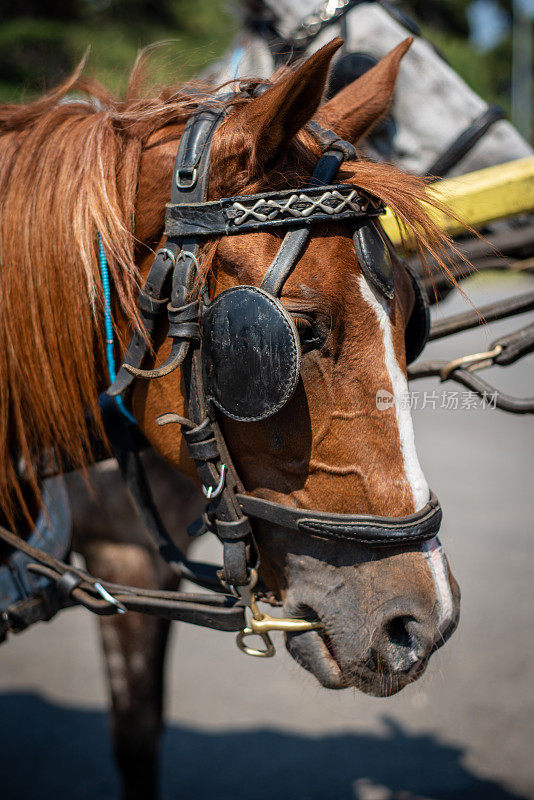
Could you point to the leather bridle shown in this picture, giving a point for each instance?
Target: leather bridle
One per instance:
(191, 217)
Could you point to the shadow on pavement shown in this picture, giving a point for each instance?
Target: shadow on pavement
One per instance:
(54, 752)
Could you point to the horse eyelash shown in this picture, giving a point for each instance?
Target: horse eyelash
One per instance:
(301, 323)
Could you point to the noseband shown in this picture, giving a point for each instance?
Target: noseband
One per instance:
(240, 352)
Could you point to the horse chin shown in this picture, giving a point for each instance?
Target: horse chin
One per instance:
(315, 652)
(310, 650)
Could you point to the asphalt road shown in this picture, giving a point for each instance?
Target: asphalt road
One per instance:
(252, 729)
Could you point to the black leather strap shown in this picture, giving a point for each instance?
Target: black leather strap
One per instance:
(318, 202)
(374, 258)
(202, 434)
(417, 329)
(191, 168)
(155, 296)
(39, 608)
(120, 437)
(285, 259)
(514, 345)
(494, 398)
(294, 241)
(465, 142)
(224, 508)
(190, 180)
(367, 530)
(466, 320)
(222, 612)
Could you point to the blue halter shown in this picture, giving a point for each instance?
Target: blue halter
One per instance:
(108, 325)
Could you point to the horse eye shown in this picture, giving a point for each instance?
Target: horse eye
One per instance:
(310, 335)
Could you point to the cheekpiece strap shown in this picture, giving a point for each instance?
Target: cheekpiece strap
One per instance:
(295, 240)
(153, 301)
(176, 259)
(204, 442)
(191, 167)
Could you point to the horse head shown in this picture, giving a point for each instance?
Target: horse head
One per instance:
(338, 442)
(342, 442)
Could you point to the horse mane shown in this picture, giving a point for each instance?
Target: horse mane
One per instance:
(69, 169)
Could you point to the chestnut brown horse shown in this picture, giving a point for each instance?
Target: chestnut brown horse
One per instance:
(70, 171)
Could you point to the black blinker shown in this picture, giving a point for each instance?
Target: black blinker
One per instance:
(251, 353)
(418, 327)
(374, 257)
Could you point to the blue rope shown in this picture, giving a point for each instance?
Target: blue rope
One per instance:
(108, 326)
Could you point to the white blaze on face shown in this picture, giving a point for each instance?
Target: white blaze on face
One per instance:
(432, 550)
(412, 468)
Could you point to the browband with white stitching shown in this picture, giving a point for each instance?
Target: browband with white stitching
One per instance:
(285, 208)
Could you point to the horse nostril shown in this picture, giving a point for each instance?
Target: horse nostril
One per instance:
(399, 630)
(405, 643)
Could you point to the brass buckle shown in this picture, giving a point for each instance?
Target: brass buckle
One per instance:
(471, 363)
(262, 624)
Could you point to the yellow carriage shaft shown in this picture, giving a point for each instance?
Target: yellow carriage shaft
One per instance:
(479, 197)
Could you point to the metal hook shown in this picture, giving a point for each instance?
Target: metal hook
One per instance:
(471, 363)
(188, 180)
(169, 253)
(209, 491)
(183, 255)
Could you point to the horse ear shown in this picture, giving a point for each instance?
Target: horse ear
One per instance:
(356, 108)
(279, 113)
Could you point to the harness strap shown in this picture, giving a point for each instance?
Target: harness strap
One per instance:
(501, 309)
(237, 553)
(514, 345)
(222, 612)
(27, 598)
(191, 168)
(202, 435)
(318, 202)
(294, 241)
(495, 398)
(121, 439)
(40, 607)
(465, 142)
(152, 304)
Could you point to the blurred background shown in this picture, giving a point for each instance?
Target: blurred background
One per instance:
(488, 42)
